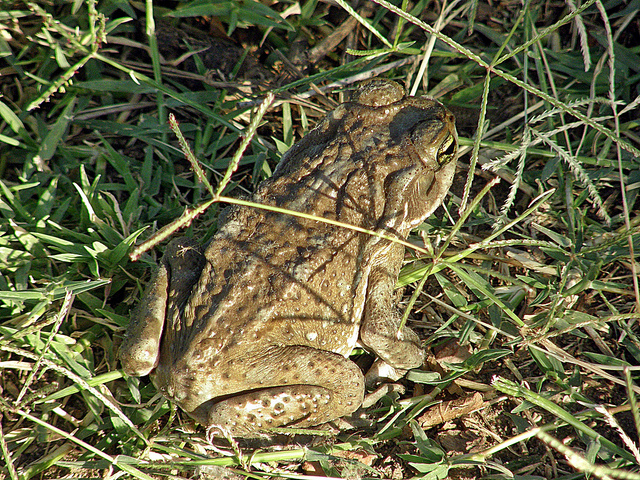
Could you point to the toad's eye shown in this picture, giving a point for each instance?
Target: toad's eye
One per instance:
(448, 150)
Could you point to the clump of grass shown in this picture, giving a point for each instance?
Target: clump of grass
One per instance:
(536, 276)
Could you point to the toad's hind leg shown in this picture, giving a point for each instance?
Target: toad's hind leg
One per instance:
(293, 386)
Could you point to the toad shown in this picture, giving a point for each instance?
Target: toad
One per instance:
(255, 330)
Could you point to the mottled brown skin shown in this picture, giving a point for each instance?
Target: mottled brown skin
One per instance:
(255, 332)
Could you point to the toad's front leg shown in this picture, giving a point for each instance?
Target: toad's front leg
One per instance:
(398, 347)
